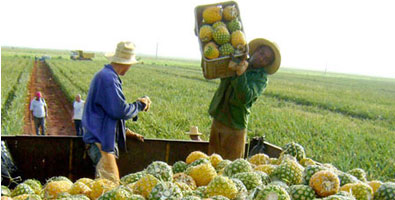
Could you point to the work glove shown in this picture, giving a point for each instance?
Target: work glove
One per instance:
(147, 101)
(133, 135)
(240, 68)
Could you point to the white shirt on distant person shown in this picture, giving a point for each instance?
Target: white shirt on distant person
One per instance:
(37, 106)
(78, 109)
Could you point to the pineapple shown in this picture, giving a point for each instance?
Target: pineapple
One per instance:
(325, 183)
(27, 197)
(198, 162)
(264, 177)
(222, 185)
(195, 155)
(131, 178)
(295, 150)
(226, 50)
(237, 166)
(85, 181)
(241, 189)
(301, 192)
(291, 172)
(100, 186)
(136, 197)
(221, 35)
(212, 14)
(251, 180)
(230, 12)
(145, 185)
(215, 159)
(119, 193)
(75, 197)
(346, 178)
(179, 166)
(359, 173)
(307, 161)
(239, 42)
(309, 171)
(218, 24)
(268, 168)
(206, 33)
(260, 158)
(53, 188)
(80, 188)
(385, 192)
(165, 190)
(375, 185)
(234, 25)
(211, 51)
(160, 170)
(5, 191)
(6, 198)
(184, 178)
(58, 178)
(202, 174)
(362, 191)
(272, 192)
(34, 184)
(218, 197)
(191, 198)
(201, 192)
(22, 189)
(221, 165)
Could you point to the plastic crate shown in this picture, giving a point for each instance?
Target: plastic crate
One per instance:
(218, 67)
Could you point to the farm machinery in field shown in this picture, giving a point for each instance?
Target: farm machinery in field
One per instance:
(81, 55)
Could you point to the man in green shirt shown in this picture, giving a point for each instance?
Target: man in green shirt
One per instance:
(230, 106)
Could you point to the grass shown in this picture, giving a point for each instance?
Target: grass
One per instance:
(341, 119)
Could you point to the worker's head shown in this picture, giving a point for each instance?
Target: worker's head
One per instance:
(38, 95)
(78, 97)
(264, 54)
(123, 58)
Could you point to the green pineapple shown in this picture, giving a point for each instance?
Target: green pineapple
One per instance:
(264, 177)
(226, 49)
(221, 35)
(221, 165)
(131, 178)
(27, 197)
(22, 189)
(346, 178)
(5, 191)
(222, 185)
(234, 25)
(291, 172)
(359, 173)
(272, 192)
(201, 192)
(362, 191)
(242, 191)
(301, 192)
(218, 24)
(34, 184)
(294, 149)
(165, 190)
(219, 197)
(119, 193)
(237, 166)
(160, 170)
(191, 198)
(385, 192)
(179, 166)
(250, 179)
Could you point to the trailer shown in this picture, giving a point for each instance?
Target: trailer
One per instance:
(81, 55)
(42, 157)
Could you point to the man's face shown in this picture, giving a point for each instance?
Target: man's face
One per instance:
(125, 69)
(262, 57)
(78, 98)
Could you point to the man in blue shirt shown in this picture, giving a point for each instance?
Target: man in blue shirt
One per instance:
(106, 110)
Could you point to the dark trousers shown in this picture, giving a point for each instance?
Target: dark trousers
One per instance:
(78, 127)
(39, 122)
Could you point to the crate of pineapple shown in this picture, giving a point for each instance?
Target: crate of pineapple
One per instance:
(221, 36)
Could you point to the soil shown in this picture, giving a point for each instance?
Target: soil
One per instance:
(59, 120)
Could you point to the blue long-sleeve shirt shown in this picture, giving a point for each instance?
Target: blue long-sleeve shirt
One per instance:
(106, 110)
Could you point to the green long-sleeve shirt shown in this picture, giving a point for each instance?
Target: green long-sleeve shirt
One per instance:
(235, 95)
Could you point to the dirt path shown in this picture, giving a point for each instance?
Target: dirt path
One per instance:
(59, 109)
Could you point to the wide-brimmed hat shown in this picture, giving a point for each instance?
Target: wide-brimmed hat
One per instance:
(273, 67)
(124, 54)
(194, 131)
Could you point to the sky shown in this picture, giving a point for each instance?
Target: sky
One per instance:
(343, 36)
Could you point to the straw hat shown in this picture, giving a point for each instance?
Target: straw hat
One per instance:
(194, 131)
(124, 54)
(254, 44)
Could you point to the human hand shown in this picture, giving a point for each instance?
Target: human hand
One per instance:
(147, 101)
(133, 135)
(242, 67)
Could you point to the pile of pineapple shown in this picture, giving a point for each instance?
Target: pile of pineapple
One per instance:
(221, 32)
(199, 177)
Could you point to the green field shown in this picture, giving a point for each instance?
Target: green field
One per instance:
(346, 120)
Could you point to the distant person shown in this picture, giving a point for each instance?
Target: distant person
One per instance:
(231, 104)
(39, 111)
(106, 110)
(78, 108)
(194, 133)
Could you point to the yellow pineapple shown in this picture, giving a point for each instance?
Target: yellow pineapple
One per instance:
(100, 186)
(145, 185)
(212, 14)
(215, 159)
(184, 178)
(325, 183)
(206, 33)
(53, 188)
(222, 185)
(374, 185)
(80, 188)
(268, 168)
(260, 158)
(202, 174)
(210, 51)
(230, 12)
(195, 155)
